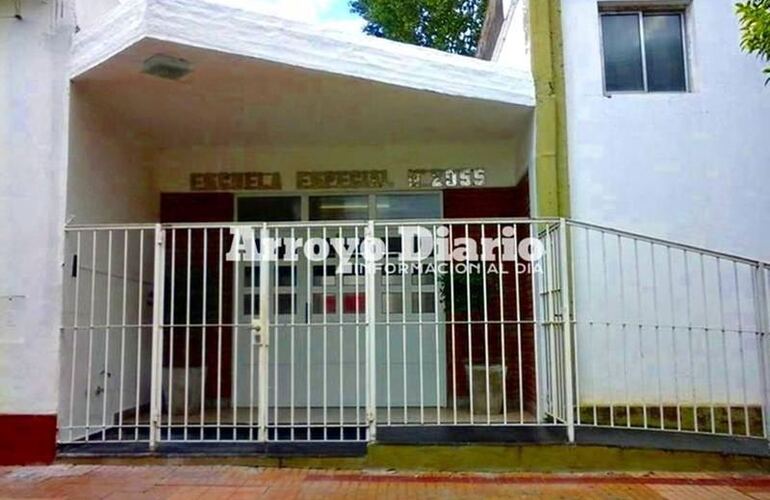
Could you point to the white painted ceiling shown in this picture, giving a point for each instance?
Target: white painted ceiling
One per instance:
(233, 99)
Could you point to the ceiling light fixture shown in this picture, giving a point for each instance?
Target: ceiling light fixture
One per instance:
(167, 67)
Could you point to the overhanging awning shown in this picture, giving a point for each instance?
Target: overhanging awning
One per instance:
(258, 78)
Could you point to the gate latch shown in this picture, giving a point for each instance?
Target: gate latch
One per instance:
(259, 336)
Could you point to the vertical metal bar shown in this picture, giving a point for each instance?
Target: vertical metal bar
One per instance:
(187, 337)
(656, 320)
(608, 331)
(123, 334)
(371, 369)
(219, 332)
(338, 309)
(549, 308)
(75, 334)
(486, 327)
(469, 319)
(572, 279)
(404, 304)
(590, 323)
(725, 361)
(237, 293)
(435, 327)
(156, 368)
(558, 299)
(358, 343)
(91, 333)
(139, 334)
(706, 333)
(673, 338)
(763, 321)
(765, 278)
(623, 331)
(387, 326)
(454, 322)
(254, 346)
(172, 331)
(485, 315)
(640, 332)
(108, 311)
(204, 327)
(264, 331)
(741, 350)
(294, 291)
(420, 356)
(536, 328)
(308, 338)
(567, 319)
(689, 340)
(501, 299)
(341, 339)
(275, 339)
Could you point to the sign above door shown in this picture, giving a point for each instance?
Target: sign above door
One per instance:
(343, 179)
(447, 178)
(235, 181)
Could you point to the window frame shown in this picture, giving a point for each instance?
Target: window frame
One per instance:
(307, 194)
(640, 12)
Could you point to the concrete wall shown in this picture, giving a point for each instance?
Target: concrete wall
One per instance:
(513, 47)
(110, 180)
(88, 12)
(690, 167)
(33, 103)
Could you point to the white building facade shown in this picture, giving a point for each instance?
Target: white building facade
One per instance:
(139, 135)
(664, 126)
(33, 140)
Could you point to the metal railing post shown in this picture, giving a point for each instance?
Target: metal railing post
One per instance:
(567, 329)
(262, 329)
(371, 366)
(156, 368)
(763, 324)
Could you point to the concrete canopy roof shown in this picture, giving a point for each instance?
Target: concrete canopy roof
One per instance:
(257, 78)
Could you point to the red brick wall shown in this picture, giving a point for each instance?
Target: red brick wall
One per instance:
(491, 203)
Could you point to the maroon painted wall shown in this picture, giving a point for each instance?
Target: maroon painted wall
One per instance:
(487, 202)
(492, 203)
(27, 439)
(199, 207)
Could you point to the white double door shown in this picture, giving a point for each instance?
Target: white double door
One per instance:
(317, 325)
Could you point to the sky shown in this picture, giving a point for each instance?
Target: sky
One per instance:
(328, 13)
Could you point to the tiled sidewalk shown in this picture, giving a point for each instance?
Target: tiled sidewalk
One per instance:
(214, 482)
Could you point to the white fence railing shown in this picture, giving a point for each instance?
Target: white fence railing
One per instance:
(671, 337)
(331, 331)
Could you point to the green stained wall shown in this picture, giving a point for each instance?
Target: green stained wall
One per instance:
(551, 167)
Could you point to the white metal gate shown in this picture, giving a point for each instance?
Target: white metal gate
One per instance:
(306, 339)
(275, 332)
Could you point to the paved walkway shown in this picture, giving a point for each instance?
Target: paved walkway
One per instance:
(214, 482)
